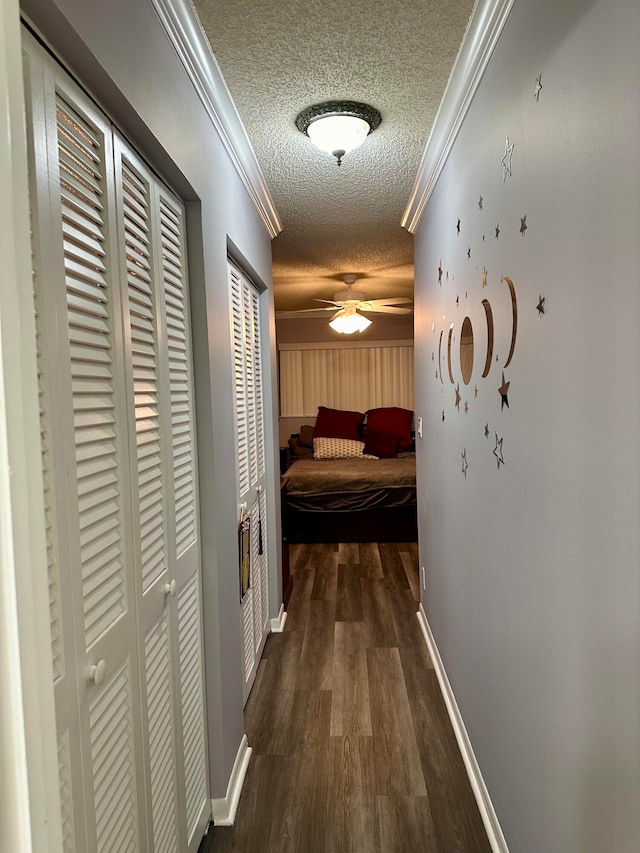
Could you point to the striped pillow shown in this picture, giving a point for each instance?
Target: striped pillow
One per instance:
(337, 448)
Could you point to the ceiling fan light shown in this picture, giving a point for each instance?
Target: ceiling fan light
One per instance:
(346, 322)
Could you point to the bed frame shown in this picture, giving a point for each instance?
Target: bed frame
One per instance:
(379, 524)
(376, 524)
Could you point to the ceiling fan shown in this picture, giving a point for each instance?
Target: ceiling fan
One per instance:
(356, 300)
(350, 303)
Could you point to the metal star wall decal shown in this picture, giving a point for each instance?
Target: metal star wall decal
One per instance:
(469, 253)
(458, 397)
(538, 88)
(523, 224)
(503, 390)
(458, 225)
(483, 238)
(440, 273)
(436, 374)
(480, 202)
(484, 276)
(486, 430)
(465, 464)
(475, 392)
(497, 451)
(457, 300)
(497, 230)
(466, 407)
(443, 416)
(540, 305)
(506, 160)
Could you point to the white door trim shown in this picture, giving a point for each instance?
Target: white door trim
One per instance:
(28, 755)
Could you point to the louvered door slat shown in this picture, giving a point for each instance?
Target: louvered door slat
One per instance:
(192, 703)
(91, 256)
(257, 367)
(78, 157)
(53, 567)
(264, 573)
(113, 763)
(86, 192)
(145, 370)
(256, 583)
(248, 633)
(179, 362)
(66, 794)
(239, 383)
(160, 726)
(90, 322)
(250, 390)
(83, 210)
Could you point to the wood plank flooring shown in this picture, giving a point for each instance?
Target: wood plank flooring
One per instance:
(353, 751)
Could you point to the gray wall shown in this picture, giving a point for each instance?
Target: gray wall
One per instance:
(120, 51)
(532, 586)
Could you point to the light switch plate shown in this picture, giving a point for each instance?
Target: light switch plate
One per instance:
(419, 427)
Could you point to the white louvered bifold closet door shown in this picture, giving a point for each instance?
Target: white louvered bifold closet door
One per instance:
(78, 295)
(245, 311)
(183, 515)
(119, 465)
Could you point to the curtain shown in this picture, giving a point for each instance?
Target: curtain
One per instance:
(355, 378)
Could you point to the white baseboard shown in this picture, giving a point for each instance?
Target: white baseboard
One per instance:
(223, 809)
(487, 812)
(277, 624)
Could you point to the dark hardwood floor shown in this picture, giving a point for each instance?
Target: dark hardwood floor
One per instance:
(353, 751)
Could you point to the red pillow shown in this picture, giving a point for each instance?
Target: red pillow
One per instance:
(338, 423)
(394, 421)
(382, 444)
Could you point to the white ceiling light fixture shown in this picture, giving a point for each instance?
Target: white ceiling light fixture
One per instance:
(347, 321)
(338, 127)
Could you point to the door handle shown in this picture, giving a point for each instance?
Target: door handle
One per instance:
(97, 672)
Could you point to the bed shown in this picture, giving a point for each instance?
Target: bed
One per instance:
(351, 500)
(360, 499)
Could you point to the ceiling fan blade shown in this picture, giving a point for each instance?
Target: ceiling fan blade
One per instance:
(329, 302)
(392, 300)
(386, 309)
(311, 310)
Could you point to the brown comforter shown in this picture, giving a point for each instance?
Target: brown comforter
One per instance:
(348, 484)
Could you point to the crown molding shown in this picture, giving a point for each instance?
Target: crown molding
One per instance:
(181, 23)
(486, 25)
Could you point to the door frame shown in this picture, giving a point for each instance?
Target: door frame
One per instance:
(28, 755)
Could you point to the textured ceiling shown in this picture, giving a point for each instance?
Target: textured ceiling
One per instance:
(279, 57)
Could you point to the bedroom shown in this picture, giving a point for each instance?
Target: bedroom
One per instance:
(324, 372)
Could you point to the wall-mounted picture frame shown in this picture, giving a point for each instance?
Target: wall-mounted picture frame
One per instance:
(244, 551)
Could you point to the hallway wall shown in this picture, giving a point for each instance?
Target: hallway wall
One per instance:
(532, 581)
(122, 53)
